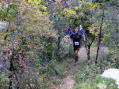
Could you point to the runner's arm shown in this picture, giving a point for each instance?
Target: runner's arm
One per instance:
(68, 35)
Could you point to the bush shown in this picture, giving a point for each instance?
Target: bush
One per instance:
(85, 86)
(87, 76)
(108, 82)
(3, 81)
(98, 83)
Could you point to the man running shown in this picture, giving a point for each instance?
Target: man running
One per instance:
(76, 37)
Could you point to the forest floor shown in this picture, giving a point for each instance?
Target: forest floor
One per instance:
(68, 81)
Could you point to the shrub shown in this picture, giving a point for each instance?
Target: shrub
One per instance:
(98, 83)
(108, 82)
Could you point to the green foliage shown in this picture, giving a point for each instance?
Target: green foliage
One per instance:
(107, 81)
(56, 16)
(106, 38)
(43, 24)
(8, 11)
(3, 81)
(87, 76)
(87, 70)
(101, 1)
(34, 1)
(103, 83)
(69, 12)
(89, 85)
(39, 4)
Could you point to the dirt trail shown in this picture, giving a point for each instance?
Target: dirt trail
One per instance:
(68, 81)
(83, 54)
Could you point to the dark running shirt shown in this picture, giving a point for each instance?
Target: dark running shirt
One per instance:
(76, 38)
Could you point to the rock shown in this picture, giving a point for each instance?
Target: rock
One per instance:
(113, 74)
(3, 25)
(101, 86)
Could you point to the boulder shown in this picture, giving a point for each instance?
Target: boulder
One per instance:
(101, 86)
(3, 25)
(113, 74)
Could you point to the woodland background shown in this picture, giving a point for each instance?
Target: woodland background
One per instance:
(34, 50)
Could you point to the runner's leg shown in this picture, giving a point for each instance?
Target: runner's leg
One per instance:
(76, 55)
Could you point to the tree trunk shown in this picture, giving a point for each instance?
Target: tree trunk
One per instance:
(58, 42)
(88, 52)
(11, 69)
(58, 45)
(99, 37)
(88, 47)
(10, 83)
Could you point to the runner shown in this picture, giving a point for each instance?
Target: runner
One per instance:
(76, 36)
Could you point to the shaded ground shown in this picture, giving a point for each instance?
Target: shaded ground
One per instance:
(68, 82)
(82, 53)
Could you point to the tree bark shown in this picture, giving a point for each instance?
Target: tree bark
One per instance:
(58, 44)
(88, 45)
(99, 37)
(88, 49)
(12, 68)
(88, 53)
